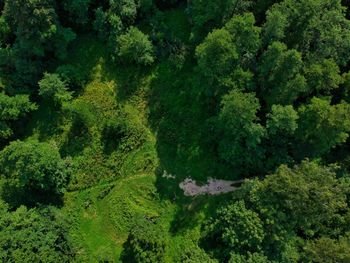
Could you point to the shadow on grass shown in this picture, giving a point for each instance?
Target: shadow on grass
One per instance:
(77, 139)
(179, 118)
(16, 196)
(46, 122)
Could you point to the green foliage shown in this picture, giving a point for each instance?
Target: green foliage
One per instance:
(146, 243)
(323, 77)
(224, 50)
(282, 120)
(121, 134)
(52, 88)
(280, 75)
(317, 28)
(235, 229)
(239, 134)
(135, 47)
(216, 55)
(108, 25)
(304, 199)
(245, 35)
(238, 102)
(213, 14)
(272, 219)
(281, 124)
(250, 258)
(32, 172)
(217, 58)
(12, 109)
(321, 127)
(33, 235)
(191, 253)
(37, 33)
(78, 10)
(327, 250)
(31, 21)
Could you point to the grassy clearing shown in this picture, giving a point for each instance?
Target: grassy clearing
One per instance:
(112, 186)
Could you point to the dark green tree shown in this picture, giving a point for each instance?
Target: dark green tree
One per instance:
(303, 199)
(239, 132)
(52, 88)
(327, 250)
(281, 124)
(33, 235)
(135, 47)
(108, 25)
(216, 55)
(78, 11)
(323, 77)
(146, 243)
(32, 172)
(316, 28)
(321, 127)
(246, 37)
(37, 33)
(235, 229)
(280, 75)
(12, 109)
(214, 14)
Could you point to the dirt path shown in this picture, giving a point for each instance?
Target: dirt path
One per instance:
(213, 187)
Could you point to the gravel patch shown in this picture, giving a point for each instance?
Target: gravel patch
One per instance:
(213, 187)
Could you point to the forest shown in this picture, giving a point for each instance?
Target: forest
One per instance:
(108, 106)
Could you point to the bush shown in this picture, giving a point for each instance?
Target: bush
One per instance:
(135, 47)
(119, 133)
(53, 88)
(146, 243)
(32, 172)
(33, 235)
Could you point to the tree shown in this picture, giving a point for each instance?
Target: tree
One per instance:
(52, 88)
(146, 243)
(32, 172)
(239, 133)
(321, 127)
(250, 258)
(345, 87)
(316, 28)
(135, 47)
(108, 25)
(282, 217)
(282, 120)
(280, 75)
(303, 199)
(235, 229)
(37, 34)
(323, 77)
(33, 235)
(245, 35)
(217, 57)
(192, 253)
(226, 57)
(327, 250)
(281, 124)
(213, 14)
(78, 10)
(12, 109)
(36, 25)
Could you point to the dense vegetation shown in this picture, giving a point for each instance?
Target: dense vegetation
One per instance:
(106, 106)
